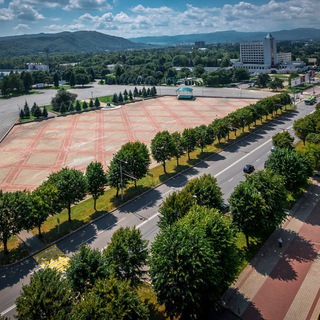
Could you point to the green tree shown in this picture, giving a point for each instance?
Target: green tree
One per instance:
(174, 207)
(275, 83)
(272, 188)
(56, 80)
(221, 232)
(178, 145)
(110, 299)
(15, 211)
(120, 97)
(84, 105)
(205, 190)
(283, 140)
(304, 126)
(220, 127)
(127, 254)
(21, 114)
(162, 148)
(78, 105)
(115, 98)
(97, 180)
(63, 108)
(26, 110)
(45, 202)
(204, 136)
(71, 185)
(72, 80)
(136, 160)
(189, 140)
(115, 177)
(86, 266)
(81, 76)
(48, 296)
(97, 103)
(294, 166)
(91, 104)
(262, 80)
(27, 81)
(183, 270)
(62, 96)
(248, 209)
(37, 112)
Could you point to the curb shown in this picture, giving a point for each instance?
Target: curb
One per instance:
(8, 131)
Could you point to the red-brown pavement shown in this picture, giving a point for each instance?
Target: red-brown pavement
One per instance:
(32, 151)
(284, 283)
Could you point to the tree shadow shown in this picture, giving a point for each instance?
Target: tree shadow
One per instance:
(12, 274)
(14, 255)
(278, 263)
(310, 198)
(234, 305)
(87, 234)
(141, 202)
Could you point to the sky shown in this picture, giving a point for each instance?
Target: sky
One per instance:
(137, 18)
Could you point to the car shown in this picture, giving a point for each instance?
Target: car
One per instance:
(316, 174)
(273, 148)
(224, 208)
(248, 168)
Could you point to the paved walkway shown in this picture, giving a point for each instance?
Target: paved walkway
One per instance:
(283, 283)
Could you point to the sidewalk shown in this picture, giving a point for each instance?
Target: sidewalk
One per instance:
(283, 283)
(31, 240)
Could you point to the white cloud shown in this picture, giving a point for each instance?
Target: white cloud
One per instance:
(71, 27)
(25, 11)
(6, 14)
(141, 20)
(87, 5)
(21, 27)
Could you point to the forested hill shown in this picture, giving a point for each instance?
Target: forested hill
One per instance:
(230, 36)
(64, 42)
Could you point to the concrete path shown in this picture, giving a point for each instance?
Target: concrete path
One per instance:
(283, 283)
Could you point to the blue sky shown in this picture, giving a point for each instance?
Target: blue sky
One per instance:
(136, 18)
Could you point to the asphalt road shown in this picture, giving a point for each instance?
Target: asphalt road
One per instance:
(10, 108)
(143, 211)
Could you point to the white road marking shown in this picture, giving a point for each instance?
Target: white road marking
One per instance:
(8, 310)
(146, 221)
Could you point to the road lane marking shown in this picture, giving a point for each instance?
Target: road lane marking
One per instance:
(247, 155)
(8, 310)
(146, 221)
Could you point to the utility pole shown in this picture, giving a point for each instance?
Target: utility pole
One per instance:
(122, 172)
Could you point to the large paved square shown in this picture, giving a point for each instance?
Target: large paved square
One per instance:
(31, 151)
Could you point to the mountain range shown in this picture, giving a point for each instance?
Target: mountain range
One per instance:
(92, 41)
(230, 37)
(63, 42)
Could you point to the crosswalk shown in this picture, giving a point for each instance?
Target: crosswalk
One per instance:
(53, 258)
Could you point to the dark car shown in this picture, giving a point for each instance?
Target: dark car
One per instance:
(224, 208)
(248, 168)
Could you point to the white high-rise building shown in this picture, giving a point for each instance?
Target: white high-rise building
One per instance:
(259, 52)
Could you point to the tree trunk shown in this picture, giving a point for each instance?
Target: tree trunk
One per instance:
(95, 203)
(247, 241)
(164, 167)
(69, 212)
(39, 230)
(189, 155)
(5, 246)
(177, 161)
